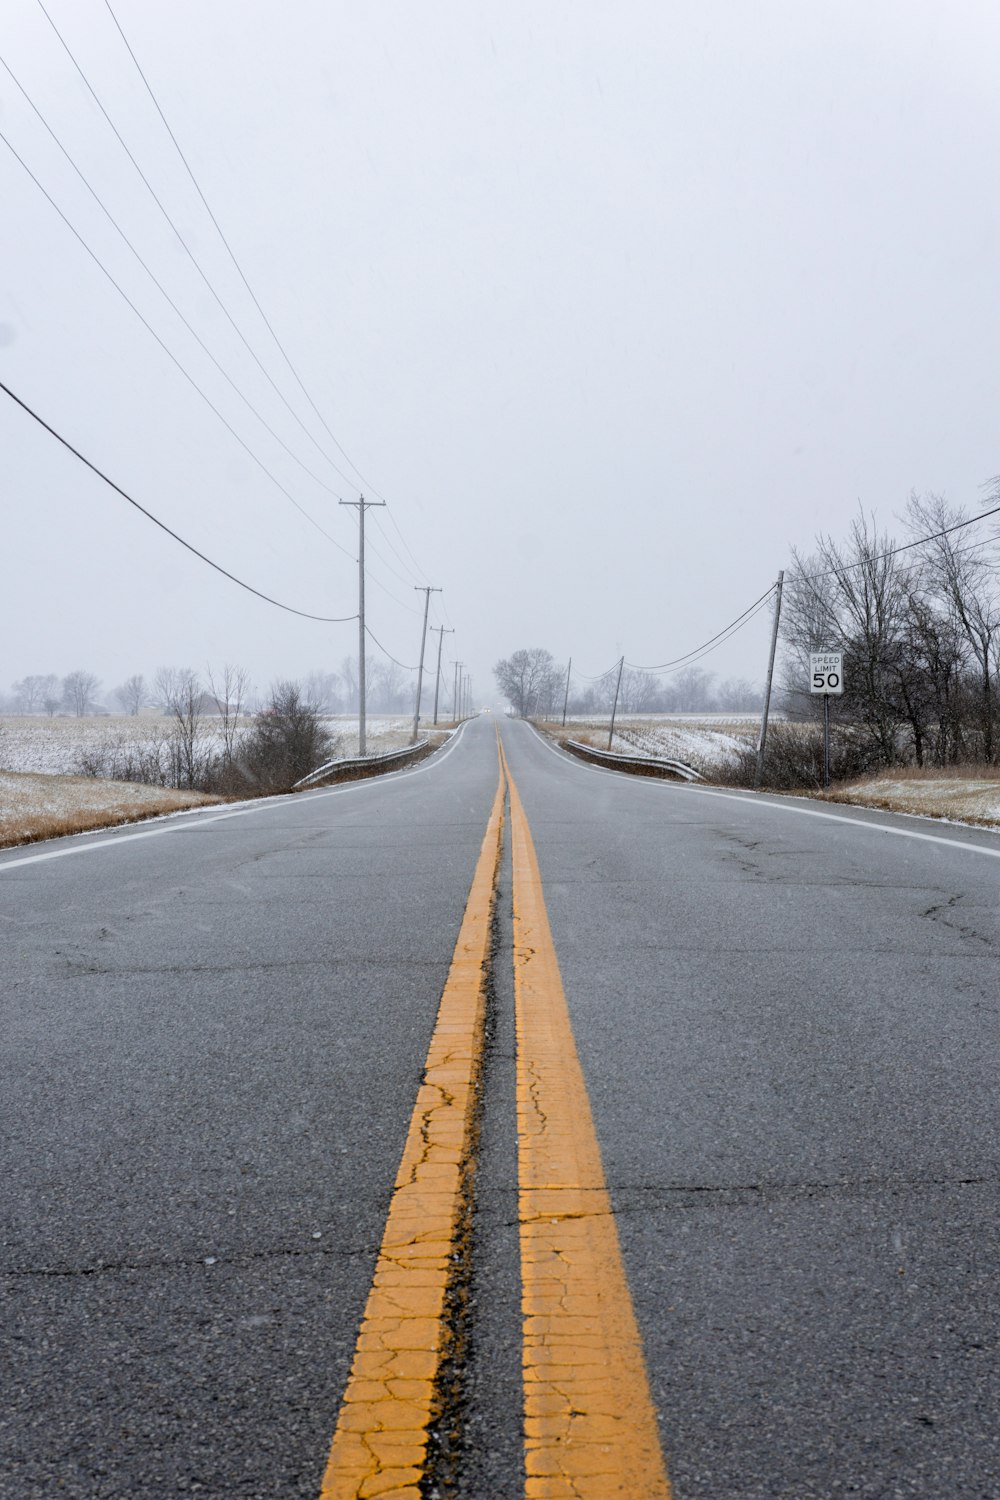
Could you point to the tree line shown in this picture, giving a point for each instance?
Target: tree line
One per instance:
(920, 633)
(917, 617)
(389, 689)
(534, 684)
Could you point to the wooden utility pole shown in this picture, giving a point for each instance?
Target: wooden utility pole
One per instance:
(566, 696)
(614, 706)
(762, 743)
(362, 505)
(427, 591)
(442, 632)
(454, 696)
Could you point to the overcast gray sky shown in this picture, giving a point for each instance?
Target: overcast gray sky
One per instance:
(612, 302)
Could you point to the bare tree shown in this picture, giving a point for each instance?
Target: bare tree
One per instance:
(31, 692)
(323, 689)
(530, 680)
(230, 692)
(965, 581)
(349, 677)
(693, 691)
(131, 695)
(179, 691)
(80, 691)
(638, 690)
(855, 599)
(391, 689)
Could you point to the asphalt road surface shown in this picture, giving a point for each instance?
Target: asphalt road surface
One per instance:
(217, 1032)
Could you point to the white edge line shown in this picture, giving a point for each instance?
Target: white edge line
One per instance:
(749, 799)
(191, 818)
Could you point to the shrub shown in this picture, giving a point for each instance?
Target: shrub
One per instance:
(285, 742)
(794, 759)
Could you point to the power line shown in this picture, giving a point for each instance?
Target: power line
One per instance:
(698, 650)
(324, 619)
(708, 649)
(161, 288)
(907, 547)
(239, 269)
(183, 242)
(256, 302)
(389, 654)
(167, 351)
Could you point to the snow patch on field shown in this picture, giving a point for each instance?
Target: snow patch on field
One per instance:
(704, 740)
(36, 805)
(31, 742)
(957, 798)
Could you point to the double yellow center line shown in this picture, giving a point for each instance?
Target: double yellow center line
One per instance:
(589, 1424)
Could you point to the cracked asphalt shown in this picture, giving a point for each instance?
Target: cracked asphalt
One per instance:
(789, 1031)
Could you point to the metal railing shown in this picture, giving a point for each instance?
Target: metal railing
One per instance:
(643, 763)
(363, 763)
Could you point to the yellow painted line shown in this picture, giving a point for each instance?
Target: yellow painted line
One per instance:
(380, 1443)
(590, 1427)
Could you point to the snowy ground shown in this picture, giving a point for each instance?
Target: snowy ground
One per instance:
(33, 742)
(37, 805)
(960, 799)
(704, 741)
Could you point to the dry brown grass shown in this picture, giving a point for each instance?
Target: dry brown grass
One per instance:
(962, 794)
(36, 806)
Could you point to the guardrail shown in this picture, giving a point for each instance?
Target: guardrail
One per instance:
(643, 764)
(360, 765)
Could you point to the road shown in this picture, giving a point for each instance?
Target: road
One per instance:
(777, 1276)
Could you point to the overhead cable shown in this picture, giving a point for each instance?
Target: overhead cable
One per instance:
(389, 654)
(162, 289)
(324, 619)
(183, 242)
(708, 649)
(680, 660)
(240, 272)
(252, 294)
(906, 547)
(169, 352)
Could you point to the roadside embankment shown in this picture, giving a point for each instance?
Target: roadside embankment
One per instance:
(960, 795)
(37, 805)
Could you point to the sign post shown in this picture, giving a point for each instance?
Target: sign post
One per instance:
(826, 676)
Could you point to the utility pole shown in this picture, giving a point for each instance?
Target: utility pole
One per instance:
(468, 694)
(454, 696)
(442, 632)
(566, 698)
(614, 706)
(362, 505)
(770, 677)
(427, 591)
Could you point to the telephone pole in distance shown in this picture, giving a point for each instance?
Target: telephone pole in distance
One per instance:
(427, 591)
(442, 632)
(362, 505)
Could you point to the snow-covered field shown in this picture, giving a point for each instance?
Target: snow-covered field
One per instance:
(33, 742)
(702, 740)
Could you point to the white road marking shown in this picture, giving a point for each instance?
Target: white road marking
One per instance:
(189, 821)
(753, 800)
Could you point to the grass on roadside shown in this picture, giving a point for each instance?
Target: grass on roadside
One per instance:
(961, 794)
(36, 806)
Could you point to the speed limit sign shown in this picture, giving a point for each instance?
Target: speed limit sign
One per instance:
(826, 672)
